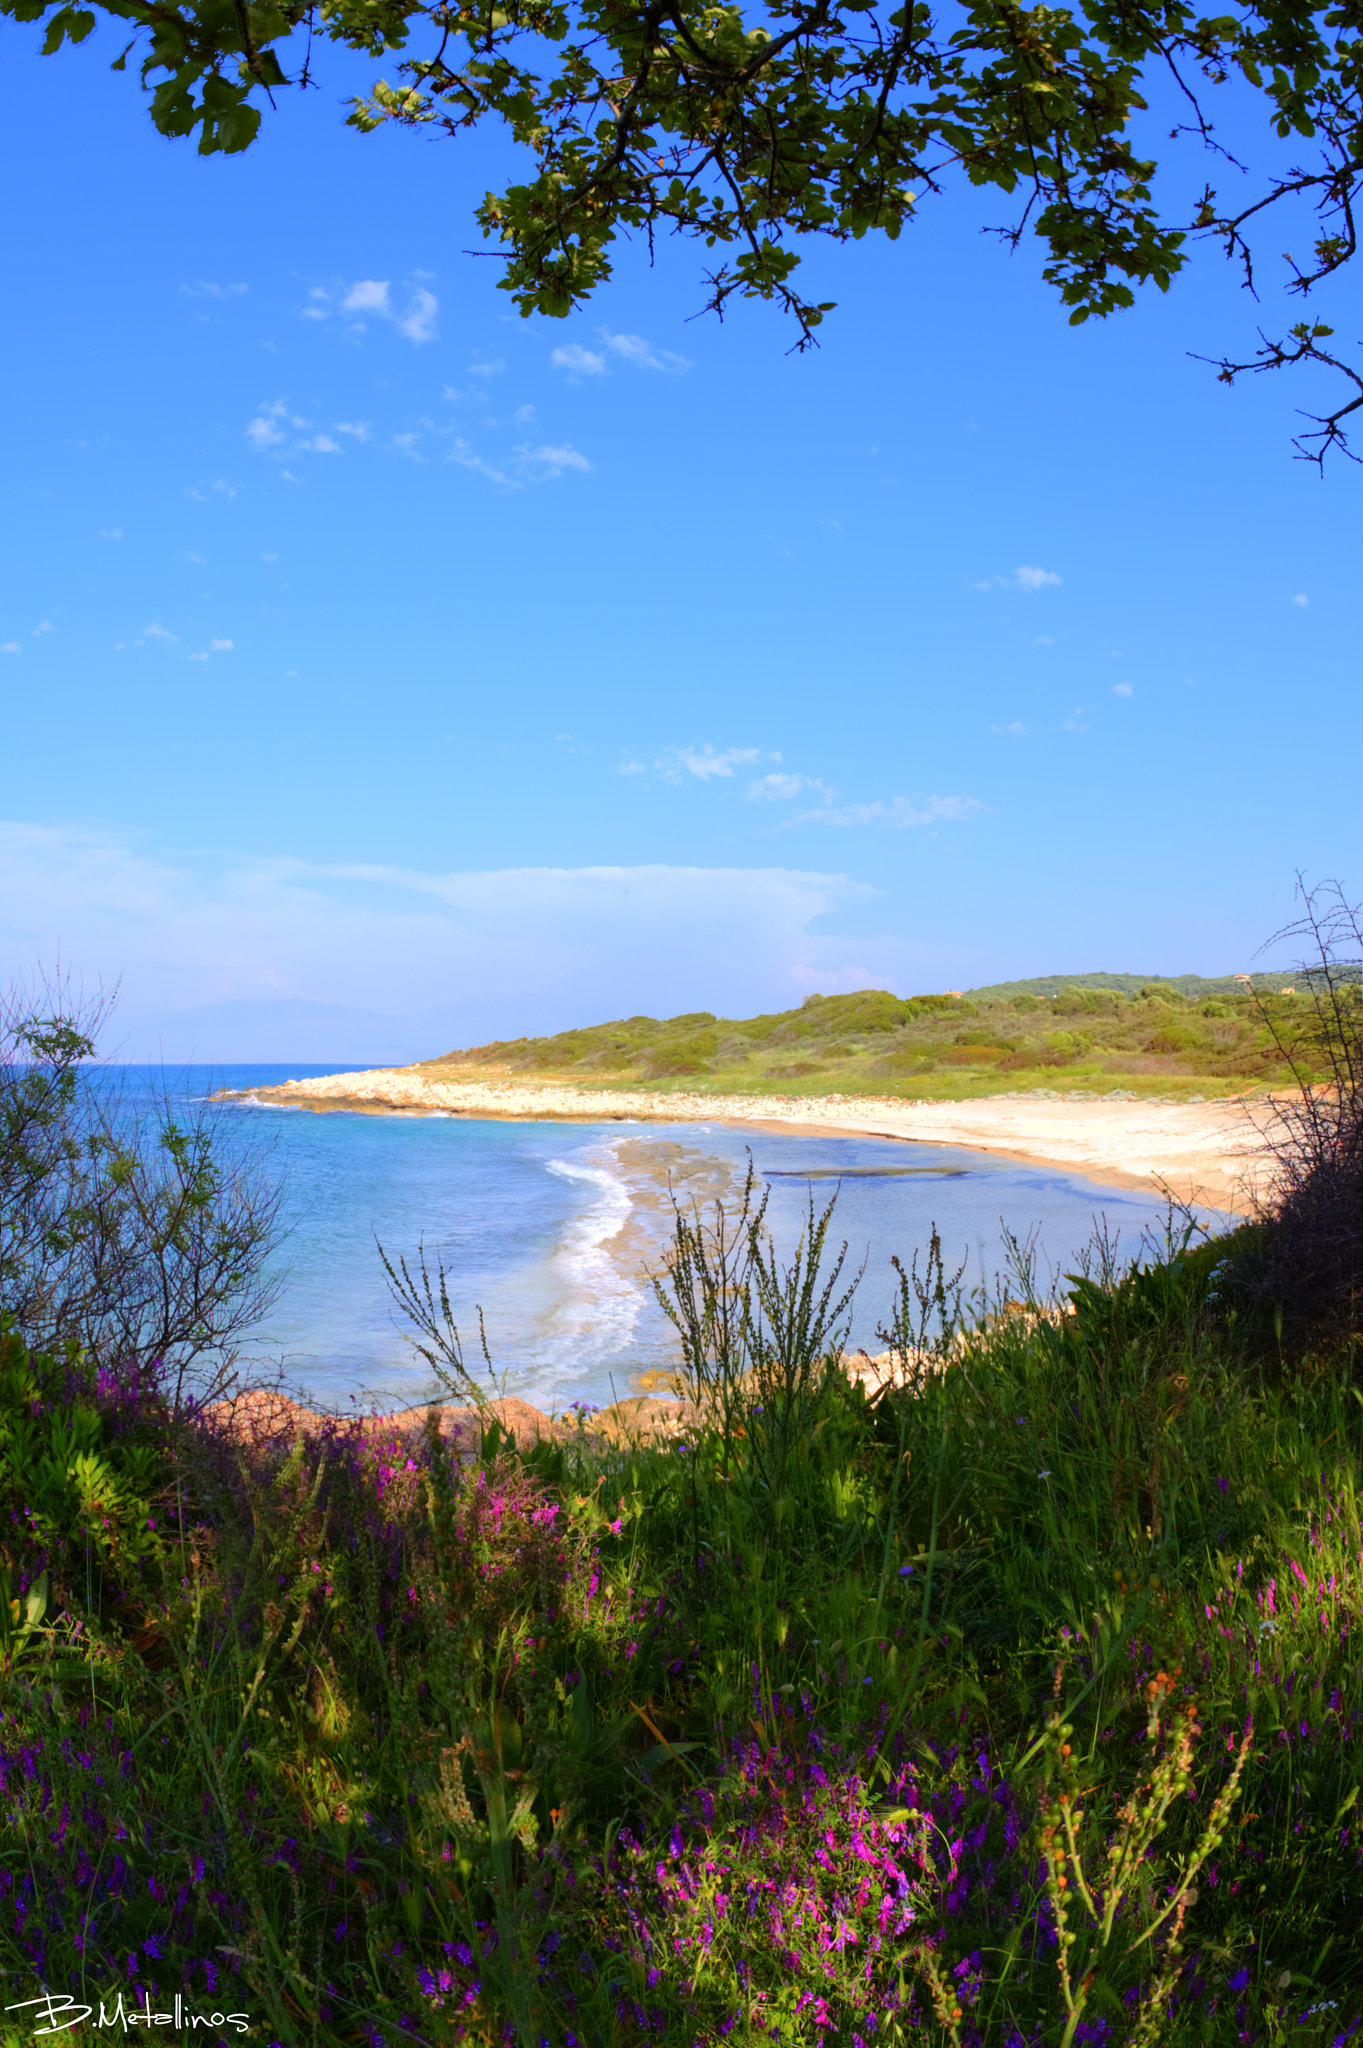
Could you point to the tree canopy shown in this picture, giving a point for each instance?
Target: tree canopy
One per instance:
(750, 129)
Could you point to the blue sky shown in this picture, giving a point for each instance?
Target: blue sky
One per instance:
(384, 672)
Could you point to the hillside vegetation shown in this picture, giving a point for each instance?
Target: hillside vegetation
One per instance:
(1094, 1035)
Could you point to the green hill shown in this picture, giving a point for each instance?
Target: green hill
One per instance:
(1095, 1033)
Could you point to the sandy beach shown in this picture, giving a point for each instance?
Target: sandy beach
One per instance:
(1210, 1153)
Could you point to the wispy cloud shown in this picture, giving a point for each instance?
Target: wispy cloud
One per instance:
(525, 465)
(494, 368)
(705, 763)
(203, 290)
(1029, 578)
(1121, 689)
(1017, 730)
(161, 633)
(465, 956)
(629, 348)
(1301, 598)
(373, 298)
(267, 429)
(642, 354)
(578, 361)
(357, 429)
(468, 457)
(10, 647)
(274, 423)
(213, 647)
(900, 813)
(552, 460)
(111, 533)
(779, 787)
(418, 321)
(43, 626)
(369, 295)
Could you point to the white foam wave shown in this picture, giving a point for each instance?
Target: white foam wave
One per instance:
(598, 1312)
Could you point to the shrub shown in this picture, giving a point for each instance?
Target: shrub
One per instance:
(1306, 1261)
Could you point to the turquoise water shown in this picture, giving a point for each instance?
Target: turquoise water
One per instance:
(552, 1229)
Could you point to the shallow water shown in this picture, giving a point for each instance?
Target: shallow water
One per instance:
(553, 1228)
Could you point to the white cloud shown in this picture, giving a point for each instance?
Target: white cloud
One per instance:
(780, 788)
(111, 533)
(468, 956)
(626, 767)
(579, 362)
(368, 296)
(267, 430)
(469, 458)
(198, 657)
(10, 647)
(373, 296)
(155, 632)
(704, 762)
(213, 291)
(523, 415)
(551, 461)
(418, 322)
(899, 812)
(492, 369)
(1301, 598)
(221, 646)
(406, 445)
(264, 432)
(44, 626)
(642, 354)
(1121, 689)
(1034, 579)
(1017, 730)
(357, 429)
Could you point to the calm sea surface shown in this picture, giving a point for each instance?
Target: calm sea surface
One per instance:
(552, 1228)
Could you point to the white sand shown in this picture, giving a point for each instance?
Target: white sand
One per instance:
(1213, 1153)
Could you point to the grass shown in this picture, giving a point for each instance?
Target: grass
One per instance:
(1021, 1707)
(1153, 1040)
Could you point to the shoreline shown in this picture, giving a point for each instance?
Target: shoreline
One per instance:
(1212, 1154)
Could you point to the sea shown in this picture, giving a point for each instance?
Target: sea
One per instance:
(554, 1231)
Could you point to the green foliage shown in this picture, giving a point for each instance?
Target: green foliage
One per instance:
(872, 1042)
(645, 1723)
(84, 1472)
(746, 132)
(134, 1231)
